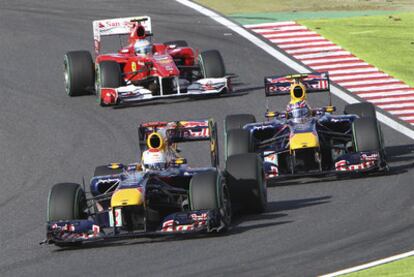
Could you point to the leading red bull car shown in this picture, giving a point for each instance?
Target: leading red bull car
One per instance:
(142, 70)
(161, 195)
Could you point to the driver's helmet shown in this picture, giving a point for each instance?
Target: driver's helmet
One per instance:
(142, 47)
(299, 110)
(154, 159)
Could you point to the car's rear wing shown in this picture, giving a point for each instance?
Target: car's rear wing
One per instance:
(182, 131)
(117, 26)
(280, 85)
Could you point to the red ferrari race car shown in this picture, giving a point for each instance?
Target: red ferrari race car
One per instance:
(142, 70)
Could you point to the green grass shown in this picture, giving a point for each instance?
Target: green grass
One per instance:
(247, 6)
(384, 41)
(401, 268)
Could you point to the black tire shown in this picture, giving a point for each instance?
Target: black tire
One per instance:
(103, 170)
(237, 121)
(79, 73)
(208, 192)
(246, 181)
(204, 191)
(177, 43)
(67, 201)
(366, 134)
(212, 64)
(110, 75)
(364, 109)
(238, 141)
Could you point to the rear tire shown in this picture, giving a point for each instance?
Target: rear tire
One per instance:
(364, 109)
(246, 181)
(79, 73)
(366, 134)
(211, 64)
(67, 201)
(238, 141)
(237, 121)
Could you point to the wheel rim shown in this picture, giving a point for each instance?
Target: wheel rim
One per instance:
(98, 85)
(67, 77)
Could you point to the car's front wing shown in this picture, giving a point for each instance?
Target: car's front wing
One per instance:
(132, 93)
(78, 232)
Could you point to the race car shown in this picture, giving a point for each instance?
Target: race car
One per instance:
(305, 141)
(161, 195)
(142, 70)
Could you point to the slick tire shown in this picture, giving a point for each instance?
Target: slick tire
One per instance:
(204, 188)
(103, 170)
(246, 181)
(364, 109)
(211, 64)
(79, 73)
(238, 141)
(209, 192)
(66, 201)
(237, 121)
(108, 75)
(176, 43)
(366, 134)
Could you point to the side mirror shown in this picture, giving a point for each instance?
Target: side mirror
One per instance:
(329, 109)
(115, 166)
(270, 115)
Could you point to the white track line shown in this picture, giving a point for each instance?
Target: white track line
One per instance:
(297, 39)
(275, 24)
(313, 49)
(369, 82)
(290, 62)
(392, 99)
(359, 76)
(385, 87)
(283, 28)
(371, 264)
(322, 55)
(296, 34)
(338, 65)
(333, 60)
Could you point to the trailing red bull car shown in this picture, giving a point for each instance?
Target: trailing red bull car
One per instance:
(305, 141)
(161, 195)
(142, 70)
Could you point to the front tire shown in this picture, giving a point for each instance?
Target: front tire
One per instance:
(208, 192)
(366, 134)
(246, 181)
(79, 73)
(211, 64)
(67, 201)
(108, 75)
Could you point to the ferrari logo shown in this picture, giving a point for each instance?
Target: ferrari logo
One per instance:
(134, 66)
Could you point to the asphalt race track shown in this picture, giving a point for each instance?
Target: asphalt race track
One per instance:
(47, 137)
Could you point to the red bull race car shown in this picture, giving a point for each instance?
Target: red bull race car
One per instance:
(142, 70)
(161, 195)
(305, 141)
